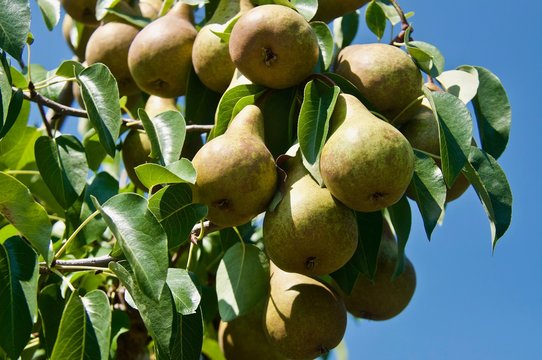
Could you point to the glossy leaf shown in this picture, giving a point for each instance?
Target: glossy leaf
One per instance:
(12, 112)
(241, 281)
(401, 219)
(490, 183)
(325, 42)
(94, 150)
(173, 207)
(100, 92)
(460, 83)
(50, 10)
(427, 56)
(5, 94)
(63, 166)
(307, 8)
(14, 26)
(102, 7)
(141, 238)
(51, 305)
(201, 102)
(69, 69)
(18, 292)
(375, 19)
(18, 206)
(180, 171)
(279, 112)
(430, 190)
(349, 88)
(18, 141)
(85, 328)
(345, 29)
(185, 293)
(389, 11)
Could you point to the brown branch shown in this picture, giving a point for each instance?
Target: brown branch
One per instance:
(34, 93)
(400, 38)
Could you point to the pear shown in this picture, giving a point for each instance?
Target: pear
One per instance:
(236, 174)
(385, 75)
(156, 105)
(83, 11)
(274, 46)
(304, 317)
(160, 56)
(134, 8)
(109, 45)
(76, 38)
(421, 130)
(210, 55)
(366, 163)
(384, 297)
(331, 9)
(309, 232)
(136, 149)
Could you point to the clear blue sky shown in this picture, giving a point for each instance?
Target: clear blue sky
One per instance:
(469, 303)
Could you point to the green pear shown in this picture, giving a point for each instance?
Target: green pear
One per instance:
(385, 75)
(236, 174)
(136, 149)
(83, 11)
(156, 105)
(304, 317)
(383, 297)
(366, 163)
(274, 46)
(210, 55)
(421, 130)
(331, 9)
(309, 232)
(160, 56)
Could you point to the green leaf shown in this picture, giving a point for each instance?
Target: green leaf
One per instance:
(430, 190)
(241, 281)
(201, 102)
(18, 206)
(211, 349)
(12, 114)
(389, 11)
(191, 337)
(69, 69)
(50, 10)
(18, 292)
(180, 171)
(460, 83)
(493, 113)
(141, 238)
(307, 8)
(401, 219)
(491, 185)
(313, 125)
(427, 57)
(14, 26)
(85, 328)
(345, 29)
(185, 293)
(100, 94)
(347, 87)
(375, 19)
(279, 112)
(102, 7)
(51, 305)
(63, 166)
(173, 207)
(137, 21)
(168, 131)
(455, 133)
(325, 42)
(94, 150)
(5, 94)
(227, 104)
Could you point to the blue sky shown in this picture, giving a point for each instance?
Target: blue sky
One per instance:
(469, 303)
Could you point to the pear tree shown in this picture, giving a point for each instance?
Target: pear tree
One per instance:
(227, 178)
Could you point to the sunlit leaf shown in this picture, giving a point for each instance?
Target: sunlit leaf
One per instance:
(14, 26)
(185, 293)
(50, 10)
(325, 42)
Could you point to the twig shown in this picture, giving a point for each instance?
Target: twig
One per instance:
(34, 93)
(400, 38)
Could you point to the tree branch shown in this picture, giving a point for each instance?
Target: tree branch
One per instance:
(400, 38)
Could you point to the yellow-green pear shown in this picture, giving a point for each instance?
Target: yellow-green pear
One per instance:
(304, 317)
(156, 105)
(236, 174)
(366, 163)
(160, 56)
(385, 75)
(331, 9)
(136, 149)
(309, 232)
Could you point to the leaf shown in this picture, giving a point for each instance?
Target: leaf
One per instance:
(100, 93)
(307, 8)
(491, 185)
(427, 56)
(50, 10)
(390, 11)
(141, 238)
(69, 69)
(14, 26)
(241, 281)
(94, 150)
(85, 328)
(5, 95)
(460, 83)
(325, 42)
(375, 19)
(173, 207)
(455, 133)
(401, 220)
(18, 291)
(18, 206)
(347, 87)
(63, 166)
(493, 112)
(345, 29)
(102, 7)
(12, 112)
(201, 102)
(180, 171)
(430, 190)
(51, 305)
(279, 112)
(185, 293)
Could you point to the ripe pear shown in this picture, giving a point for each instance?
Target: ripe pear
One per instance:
(274, 46)
(366, 163)
(210, 55)
(384, 297)
(156, 105)
(309, 232)
(331, 9)
(236, 174)
(136, 149)
(385, 75)
(109, 45)
(83, 11)
(77, 40)
(160, 56)
(304, 317)
(421, 130)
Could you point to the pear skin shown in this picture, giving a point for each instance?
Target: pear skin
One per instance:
(136, 149)
(83, 11)
(236, 173)
(309, 232)
(77, 42)
(366, 163)
(331, 9)
(156, 105)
